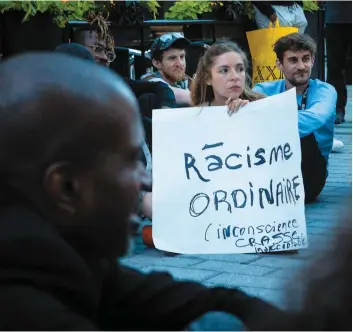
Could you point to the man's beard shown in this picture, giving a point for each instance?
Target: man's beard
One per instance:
(175, 76)
(295, 82)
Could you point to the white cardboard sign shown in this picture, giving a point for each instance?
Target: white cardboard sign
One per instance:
(226, 184)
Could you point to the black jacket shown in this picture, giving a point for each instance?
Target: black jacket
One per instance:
(47, 284)
(164, 96)
(265, 7)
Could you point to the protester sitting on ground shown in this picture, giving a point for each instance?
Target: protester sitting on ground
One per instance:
(82, 52)
(316, 107)
(150, 95)
(221, 79)
(168, 54)
(70, 177)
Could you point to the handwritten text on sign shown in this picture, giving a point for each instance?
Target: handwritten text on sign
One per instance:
(228, 184)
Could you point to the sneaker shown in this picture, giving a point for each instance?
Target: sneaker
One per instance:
(337, 145)
(147, 236)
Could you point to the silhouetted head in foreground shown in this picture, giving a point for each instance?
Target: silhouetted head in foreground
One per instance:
(70, 137)
(75, 50)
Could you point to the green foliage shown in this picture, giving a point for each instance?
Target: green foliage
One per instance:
(310, 5)
(152, 6)
(184, 9)
(249, 9)
(62, 11)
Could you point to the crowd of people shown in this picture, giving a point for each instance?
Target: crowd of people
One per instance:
(221, 79)
(76, 171)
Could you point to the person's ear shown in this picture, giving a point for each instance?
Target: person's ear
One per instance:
(207, 79)
(157, 64)
(313, 60)
(279, 65)
(62, 187)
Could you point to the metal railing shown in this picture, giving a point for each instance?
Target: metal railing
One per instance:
(132, 54)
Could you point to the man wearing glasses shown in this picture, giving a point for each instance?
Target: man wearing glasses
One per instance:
(102, 49)
(168, 57)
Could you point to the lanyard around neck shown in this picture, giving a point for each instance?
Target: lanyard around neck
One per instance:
(302, 105)
(304, 99)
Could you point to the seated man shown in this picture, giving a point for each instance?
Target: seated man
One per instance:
(82, 52)
(168, 57)
(316, 107)
(70, 177)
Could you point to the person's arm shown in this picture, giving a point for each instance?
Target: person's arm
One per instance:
(265, 8)
(322, 108)
(168, 98)
(259, 89)
(159, 88)
(26, 307)
(182, 96)
(134, 301)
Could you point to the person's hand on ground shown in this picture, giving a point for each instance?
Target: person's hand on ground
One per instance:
(235, 104)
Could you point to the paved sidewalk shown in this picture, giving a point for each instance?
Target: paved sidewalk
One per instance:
(265, 276)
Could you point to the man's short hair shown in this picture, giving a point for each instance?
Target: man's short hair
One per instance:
(75, 50)
(294, 42)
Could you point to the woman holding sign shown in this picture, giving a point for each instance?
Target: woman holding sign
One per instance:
(222, 79)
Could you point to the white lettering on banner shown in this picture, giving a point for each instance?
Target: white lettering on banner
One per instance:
(228, 184)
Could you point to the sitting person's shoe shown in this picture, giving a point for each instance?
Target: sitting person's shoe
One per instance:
(147, 236)
(337, 145)
(340, 116)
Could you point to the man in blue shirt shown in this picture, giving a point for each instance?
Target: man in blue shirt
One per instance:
(316, 107)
